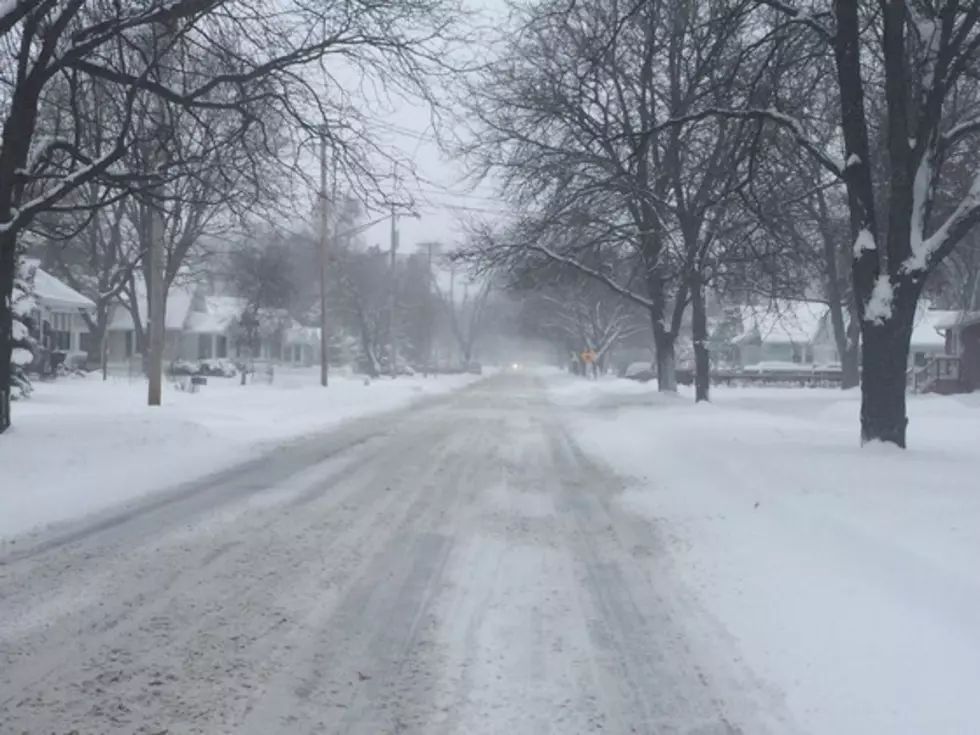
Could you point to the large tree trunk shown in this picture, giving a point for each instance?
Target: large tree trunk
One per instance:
(699, 328)
(883, 375)
(7, 272)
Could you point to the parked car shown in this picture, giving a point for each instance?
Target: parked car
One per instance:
(641, 372)
(474, 368)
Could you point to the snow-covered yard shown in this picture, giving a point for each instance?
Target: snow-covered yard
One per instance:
(80, 445)
(847, 580)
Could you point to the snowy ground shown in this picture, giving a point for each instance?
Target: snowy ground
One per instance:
(846, 579)
(531, 555)
(80, 445)
(456, 569)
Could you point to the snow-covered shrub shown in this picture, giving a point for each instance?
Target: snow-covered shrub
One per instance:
(25, 346)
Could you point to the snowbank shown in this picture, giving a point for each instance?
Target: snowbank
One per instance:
(80, 445)
(847, 579)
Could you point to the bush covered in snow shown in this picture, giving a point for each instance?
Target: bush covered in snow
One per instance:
(25, 346)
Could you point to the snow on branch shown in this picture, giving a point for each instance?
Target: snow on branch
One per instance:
(878, 310)
(66, 185)
(592, 273)
(795, 15)
(781, 119)
(955, 134)
(927, 251)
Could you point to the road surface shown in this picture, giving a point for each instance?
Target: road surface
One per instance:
(458, 568)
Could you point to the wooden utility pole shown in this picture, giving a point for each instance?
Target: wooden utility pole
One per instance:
(155, 298)
(430, 317)
(324, 240)
(155, 303)
(392, 296)
(393, 278)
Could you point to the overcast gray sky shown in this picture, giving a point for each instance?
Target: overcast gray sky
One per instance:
(443, 198)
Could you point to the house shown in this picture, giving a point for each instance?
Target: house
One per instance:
(301, 345)
(802, 333)
(778, 335)
(928, 336)
(121, 339)
(216, 328)
(59, 319)
(211, 328)
(205, 327)
(962, 344)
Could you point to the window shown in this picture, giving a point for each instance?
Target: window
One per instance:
(920, 359)
(60, 332)
(85, 342)
(204, 346)
(222, 346)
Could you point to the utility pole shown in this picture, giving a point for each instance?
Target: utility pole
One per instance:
(429, 317)
(156, 302)
(392, 296)
(324, 238)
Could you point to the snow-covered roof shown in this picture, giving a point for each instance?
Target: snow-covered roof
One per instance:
(951, 319)
(782, 322)
(926, 331)
(53, 293)
(179, 299)
(297, 334)
(219, 315)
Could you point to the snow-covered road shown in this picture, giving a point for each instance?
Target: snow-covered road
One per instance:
(459, 567)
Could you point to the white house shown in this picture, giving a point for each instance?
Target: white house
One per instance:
(121, 338)
(929, 335)
(781, 334)
(301, 345)
(60, 315)
(202, 327)
(210, 327)
(801, 333)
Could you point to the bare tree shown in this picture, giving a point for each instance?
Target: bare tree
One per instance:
(238, 56)
(906, 70)
(261, 274)
(564, 121)
(467, 314)
(364, 287)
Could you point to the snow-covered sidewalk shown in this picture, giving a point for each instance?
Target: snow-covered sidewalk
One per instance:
(847, 580)
(80, 445)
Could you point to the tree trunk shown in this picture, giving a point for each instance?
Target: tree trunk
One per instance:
(663, 342)
(104, 354)
(850, 357)
(846, 337)
(7, 273)
(883, 375)
(699, 327)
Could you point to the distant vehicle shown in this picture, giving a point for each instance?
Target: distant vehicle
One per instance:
(474, 368)
(515, 366)
(641, 372)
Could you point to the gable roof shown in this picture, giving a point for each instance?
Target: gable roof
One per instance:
(220, 313)
(782, 322)
(297, 334)
(926, 329)
(179, 299)
(954, 319)
(53, 293)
